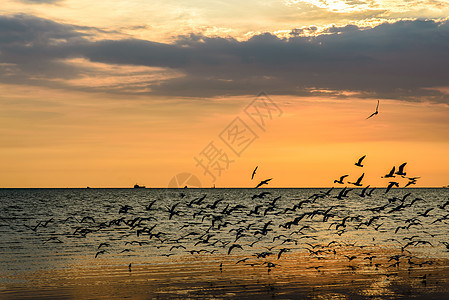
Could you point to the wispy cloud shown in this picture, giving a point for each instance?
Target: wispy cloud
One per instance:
(39, 1)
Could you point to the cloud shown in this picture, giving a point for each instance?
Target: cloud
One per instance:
(39, 1)
(400, 60)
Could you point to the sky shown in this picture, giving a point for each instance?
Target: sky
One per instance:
(114, 93)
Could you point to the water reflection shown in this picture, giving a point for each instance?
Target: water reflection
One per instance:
(79, 243)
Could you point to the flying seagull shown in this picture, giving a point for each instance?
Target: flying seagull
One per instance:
(390, 185)
(391, 174)
(254, 173)
(340, 181)
(376, 112)
(263, 182)
(358, 182)
(359, 163)
(401, 170)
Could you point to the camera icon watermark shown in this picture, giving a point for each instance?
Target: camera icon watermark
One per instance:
(184, 180)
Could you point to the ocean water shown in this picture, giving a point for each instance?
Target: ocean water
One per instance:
(57, 231)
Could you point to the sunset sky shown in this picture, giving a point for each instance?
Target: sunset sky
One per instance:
(113, 93)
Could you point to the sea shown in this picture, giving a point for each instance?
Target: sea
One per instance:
(224, 243)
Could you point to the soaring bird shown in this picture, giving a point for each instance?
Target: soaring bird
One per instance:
(263, 182)
(376, 112)
(343, 193)
(359, 162)
(234, 246)
(370, 192)
(254, 173)
(401, 170)
(340, 181)
(282, 251)
(261, 195)
(362, 194)
(358, 182)
(100, 252)
(172, 210)
(411, 181)
(103, 244)
(391, 174)
(390, 185)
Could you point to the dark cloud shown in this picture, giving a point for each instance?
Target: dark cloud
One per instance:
(303, 31)
(33, 49)
(402, 60)
(336, 29)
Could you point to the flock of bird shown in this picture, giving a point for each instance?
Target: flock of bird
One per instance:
(258, 227)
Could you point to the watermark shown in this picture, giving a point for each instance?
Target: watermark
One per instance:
(218, 155)
(183, 180)
(262, 109)
(238, 136)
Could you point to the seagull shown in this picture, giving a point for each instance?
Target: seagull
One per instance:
(261, 195)
(100, 252)
(413, 181)
(103, 244)
(263, 182)
(172, 210)
(401, 170)
(357, 183)
(390, 185)
(362, 194)
(370, 192)
(391, 174)
(254, 173)
(376, 112)
(340, 181)
(282, 251)
(359, 163)
(234, 246)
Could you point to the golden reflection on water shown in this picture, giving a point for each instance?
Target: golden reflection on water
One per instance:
(297, 275)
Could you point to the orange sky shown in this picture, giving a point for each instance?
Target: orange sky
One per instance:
(133, 94)
(54, 139)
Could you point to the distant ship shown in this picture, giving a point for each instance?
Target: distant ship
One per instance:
(136, 186)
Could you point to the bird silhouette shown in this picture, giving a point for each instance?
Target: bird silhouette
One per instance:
(100, 252)
(376, 112)
(254, 173)
(263, 182)
(391, 174)
(362, 194)
(401, 170)
(261, 195)
(340, 181)
(359, 180)
(234, 246)
(359, 162)
(390, 185)
(103, 245)
(172, 211)
(410, 182)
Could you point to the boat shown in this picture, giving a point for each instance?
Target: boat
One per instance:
(136, 186)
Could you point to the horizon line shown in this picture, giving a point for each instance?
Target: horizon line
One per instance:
(241, 187)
